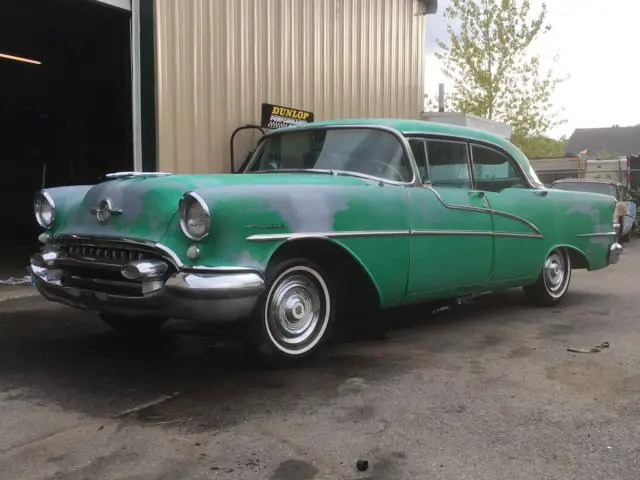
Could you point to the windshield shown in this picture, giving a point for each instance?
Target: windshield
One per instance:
(366, 151)
(592, 187)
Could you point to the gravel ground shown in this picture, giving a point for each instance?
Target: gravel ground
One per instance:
(485, 391)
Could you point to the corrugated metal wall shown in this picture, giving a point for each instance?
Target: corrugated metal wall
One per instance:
(219, 60)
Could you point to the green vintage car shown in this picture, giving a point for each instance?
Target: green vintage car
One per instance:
(324, 217)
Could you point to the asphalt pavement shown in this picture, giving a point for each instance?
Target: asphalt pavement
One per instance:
(484, 391)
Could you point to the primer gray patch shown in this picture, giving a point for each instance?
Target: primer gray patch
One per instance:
(310, 210)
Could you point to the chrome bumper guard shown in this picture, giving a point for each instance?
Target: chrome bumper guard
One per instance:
(148, 287)
(614, 253)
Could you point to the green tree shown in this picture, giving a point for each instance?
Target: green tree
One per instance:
(604, 155)
(541, 146)
(493, 72)
(431, 102)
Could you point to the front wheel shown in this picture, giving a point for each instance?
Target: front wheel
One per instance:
(554, 280)
(294, 317)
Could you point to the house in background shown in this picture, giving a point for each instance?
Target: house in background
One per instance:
(592, 143)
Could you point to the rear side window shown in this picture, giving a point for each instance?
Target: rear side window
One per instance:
(494, 171)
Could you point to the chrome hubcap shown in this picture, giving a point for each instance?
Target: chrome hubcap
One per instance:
(554, 272)
(297, 311)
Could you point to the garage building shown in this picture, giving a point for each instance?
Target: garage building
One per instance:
(88, 87)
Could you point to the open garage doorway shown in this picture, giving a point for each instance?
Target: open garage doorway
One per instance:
(65, 107)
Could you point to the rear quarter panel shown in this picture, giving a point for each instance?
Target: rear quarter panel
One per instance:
(337, 211)
(584, 221)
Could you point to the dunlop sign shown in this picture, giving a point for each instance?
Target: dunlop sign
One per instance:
(276, 116)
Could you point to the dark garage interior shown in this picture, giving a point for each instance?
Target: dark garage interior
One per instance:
(65, 120)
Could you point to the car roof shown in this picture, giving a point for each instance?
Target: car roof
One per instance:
(587, 180)
(424, 127)
(411, 126)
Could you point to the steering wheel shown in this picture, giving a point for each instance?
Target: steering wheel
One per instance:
(387, 166)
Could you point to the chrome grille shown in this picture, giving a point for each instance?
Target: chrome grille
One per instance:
(119, 255)
(96, 266)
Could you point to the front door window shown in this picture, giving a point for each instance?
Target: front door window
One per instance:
(448, 164)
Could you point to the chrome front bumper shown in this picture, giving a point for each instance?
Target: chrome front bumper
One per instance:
(614, 253)
(213, 295)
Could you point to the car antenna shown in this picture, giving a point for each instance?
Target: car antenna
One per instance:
(44, 175)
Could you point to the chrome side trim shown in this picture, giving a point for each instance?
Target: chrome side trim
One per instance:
(268, 237)
(484, 210)
(518, 235)
(385, 233)
(476, 233)
(518, 219)
(601, 234)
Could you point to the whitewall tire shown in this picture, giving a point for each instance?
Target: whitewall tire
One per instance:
(554, 280)
(296, 313)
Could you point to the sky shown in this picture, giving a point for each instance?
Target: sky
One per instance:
(597, 46)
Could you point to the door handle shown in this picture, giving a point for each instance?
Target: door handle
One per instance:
(541, 193)
(476, 193)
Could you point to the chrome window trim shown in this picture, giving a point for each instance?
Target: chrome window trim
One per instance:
(424, 148)
(510, 160)
(455, 137)
(427, 139)
(346, 173)
(395, 132)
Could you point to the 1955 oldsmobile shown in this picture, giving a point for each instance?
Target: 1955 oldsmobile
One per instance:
(323, 217)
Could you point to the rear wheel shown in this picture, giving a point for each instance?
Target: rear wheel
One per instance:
(554, 280)
(133, 326)
(294, 317)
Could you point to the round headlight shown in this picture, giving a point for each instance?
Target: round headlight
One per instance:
(195, 218)
(44, 209)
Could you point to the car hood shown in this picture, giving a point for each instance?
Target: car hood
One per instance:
(147, 205)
